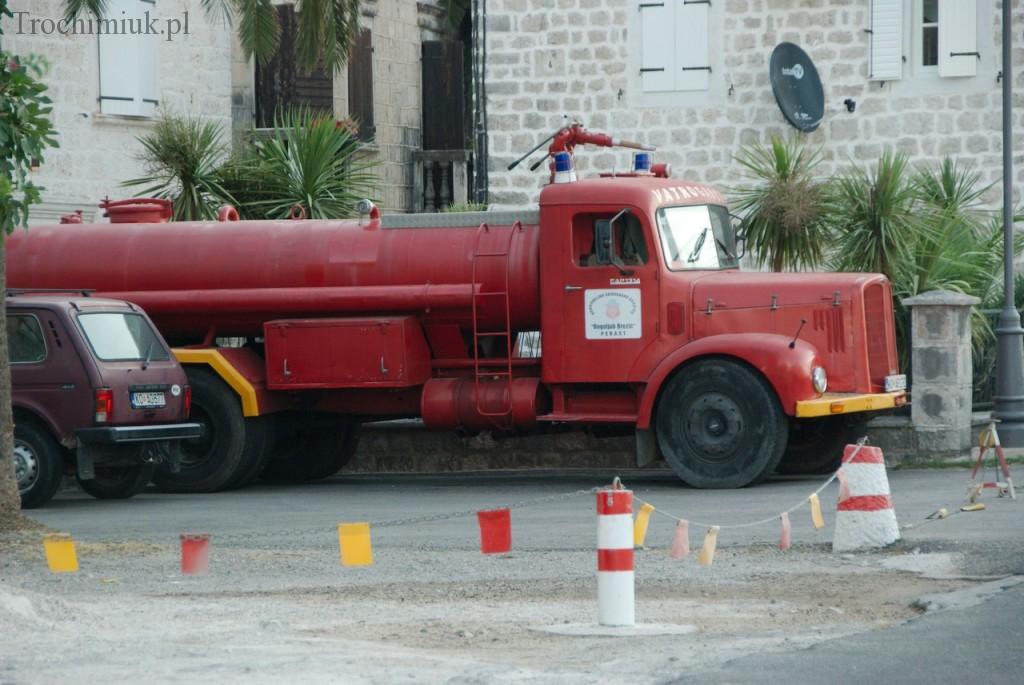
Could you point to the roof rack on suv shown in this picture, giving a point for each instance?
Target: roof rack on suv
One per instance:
(27, 291)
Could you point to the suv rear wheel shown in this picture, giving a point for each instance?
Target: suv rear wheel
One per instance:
(118, 482)
(37, 464)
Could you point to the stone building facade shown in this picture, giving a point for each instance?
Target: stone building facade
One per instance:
(550, 61)
(98, 147)
(201, 74)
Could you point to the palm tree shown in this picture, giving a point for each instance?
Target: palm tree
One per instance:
(783, 217)
(327, 28)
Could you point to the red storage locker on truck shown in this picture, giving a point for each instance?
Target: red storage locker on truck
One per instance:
(618, 301)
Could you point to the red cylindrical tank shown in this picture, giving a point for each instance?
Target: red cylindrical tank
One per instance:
(455, 403)
(191, 276)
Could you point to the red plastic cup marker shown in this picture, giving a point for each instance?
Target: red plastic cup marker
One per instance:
(495, 531)
(195, 554)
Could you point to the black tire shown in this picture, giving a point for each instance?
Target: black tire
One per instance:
(230, 448)
(311, 447)
(118, 482)
(720, 425)
(38, 464)
(816, 445)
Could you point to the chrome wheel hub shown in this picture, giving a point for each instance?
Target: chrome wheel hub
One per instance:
(26, 466)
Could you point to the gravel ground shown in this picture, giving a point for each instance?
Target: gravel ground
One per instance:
(278, 607)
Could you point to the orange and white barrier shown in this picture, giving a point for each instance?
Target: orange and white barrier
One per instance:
(865, 517)
(615, 581)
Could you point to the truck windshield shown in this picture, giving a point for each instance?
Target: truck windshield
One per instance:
(115, 336)
(697, 237)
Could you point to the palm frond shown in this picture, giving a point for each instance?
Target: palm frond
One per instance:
(225, 8)
(327, 31)
(258, 29)
(76, 8)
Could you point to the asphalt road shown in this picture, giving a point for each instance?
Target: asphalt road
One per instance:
(279, 512)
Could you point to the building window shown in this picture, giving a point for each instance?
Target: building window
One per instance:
(281, 84)
(942, 38)
(129, 60)
(360, 84)
(929, 32)
(674, 45)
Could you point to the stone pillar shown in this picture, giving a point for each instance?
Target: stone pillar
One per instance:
(941, 383)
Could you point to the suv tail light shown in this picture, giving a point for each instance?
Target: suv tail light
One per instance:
(188, 400)
(104, 405)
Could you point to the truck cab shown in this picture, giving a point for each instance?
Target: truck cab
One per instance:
(735, 373)
(96, 393)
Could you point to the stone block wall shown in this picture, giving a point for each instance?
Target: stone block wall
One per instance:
(552, 59)
(97, 152)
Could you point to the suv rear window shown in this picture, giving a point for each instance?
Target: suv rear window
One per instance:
(25, 339)
(116, 336)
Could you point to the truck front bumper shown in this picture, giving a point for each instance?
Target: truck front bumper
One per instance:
(115, 435)
(832, 403)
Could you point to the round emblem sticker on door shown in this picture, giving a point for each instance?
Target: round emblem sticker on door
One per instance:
(175, 389)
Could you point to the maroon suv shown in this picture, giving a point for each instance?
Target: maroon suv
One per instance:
(97, 393)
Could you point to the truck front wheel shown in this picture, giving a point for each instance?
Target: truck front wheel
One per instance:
(229, 450)
(816, 445)
(720, 425)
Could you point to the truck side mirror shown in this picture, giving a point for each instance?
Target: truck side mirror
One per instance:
(740, 234)
(603, 241)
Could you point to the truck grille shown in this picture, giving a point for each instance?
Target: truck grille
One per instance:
(878, 333)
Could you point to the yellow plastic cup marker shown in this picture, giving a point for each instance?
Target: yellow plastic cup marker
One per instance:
(354, 541)
(816, 517)
(643, 518)
(60, 553)
(707, 551)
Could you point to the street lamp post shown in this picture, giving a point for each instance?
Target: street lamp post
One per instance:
(1009, 397)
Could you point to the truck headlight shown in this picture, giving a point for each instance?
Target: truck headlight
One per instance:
(819, 379)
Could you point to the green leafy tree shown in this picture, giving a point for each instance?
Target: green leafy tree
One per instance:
(326, 32)
(25, 132)
(782, 212)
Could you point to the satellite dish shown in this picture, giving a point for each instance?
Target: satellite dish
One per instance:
(797, 87)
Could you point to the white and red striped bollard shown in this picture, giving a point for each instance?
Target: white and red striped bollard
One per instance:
(615, 587)
(865, 519)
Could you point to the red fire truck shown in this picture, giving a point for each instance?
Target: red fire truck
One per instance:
(618, 301)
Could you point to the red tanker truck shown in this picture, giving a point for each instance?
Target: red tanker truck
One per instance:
(618, 301)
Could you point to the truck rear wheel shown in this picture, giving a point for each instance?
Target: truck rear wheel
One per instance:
(118, 482)
(38, 465)
(720, 425)
(228, 451)
(816, 445)
(311, 447)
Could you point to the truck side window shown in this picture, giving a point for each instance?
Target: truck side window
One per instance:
(25, 339)
(629, 240)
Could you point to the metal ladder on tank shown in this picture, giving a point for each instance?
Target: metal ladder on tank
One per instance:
(503, 415)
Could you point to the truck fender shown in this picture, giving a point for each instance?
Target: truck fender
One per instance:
(787, 370)
(240, 368)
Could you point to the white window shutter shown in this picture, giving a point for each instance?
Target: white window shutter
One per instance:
(656, 37)
(693, 58)
(958, 38)
(886, 40)
(129, 61)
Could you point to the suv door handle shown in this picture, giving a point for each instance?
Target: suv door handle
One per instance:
(570, 288)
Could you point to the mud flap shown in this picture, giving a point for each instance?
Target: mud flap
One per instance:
(646, 447)
(85, 466)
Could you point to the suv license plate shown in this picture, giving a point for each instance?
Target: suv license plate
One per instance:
(147, 400)
(894, 383)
